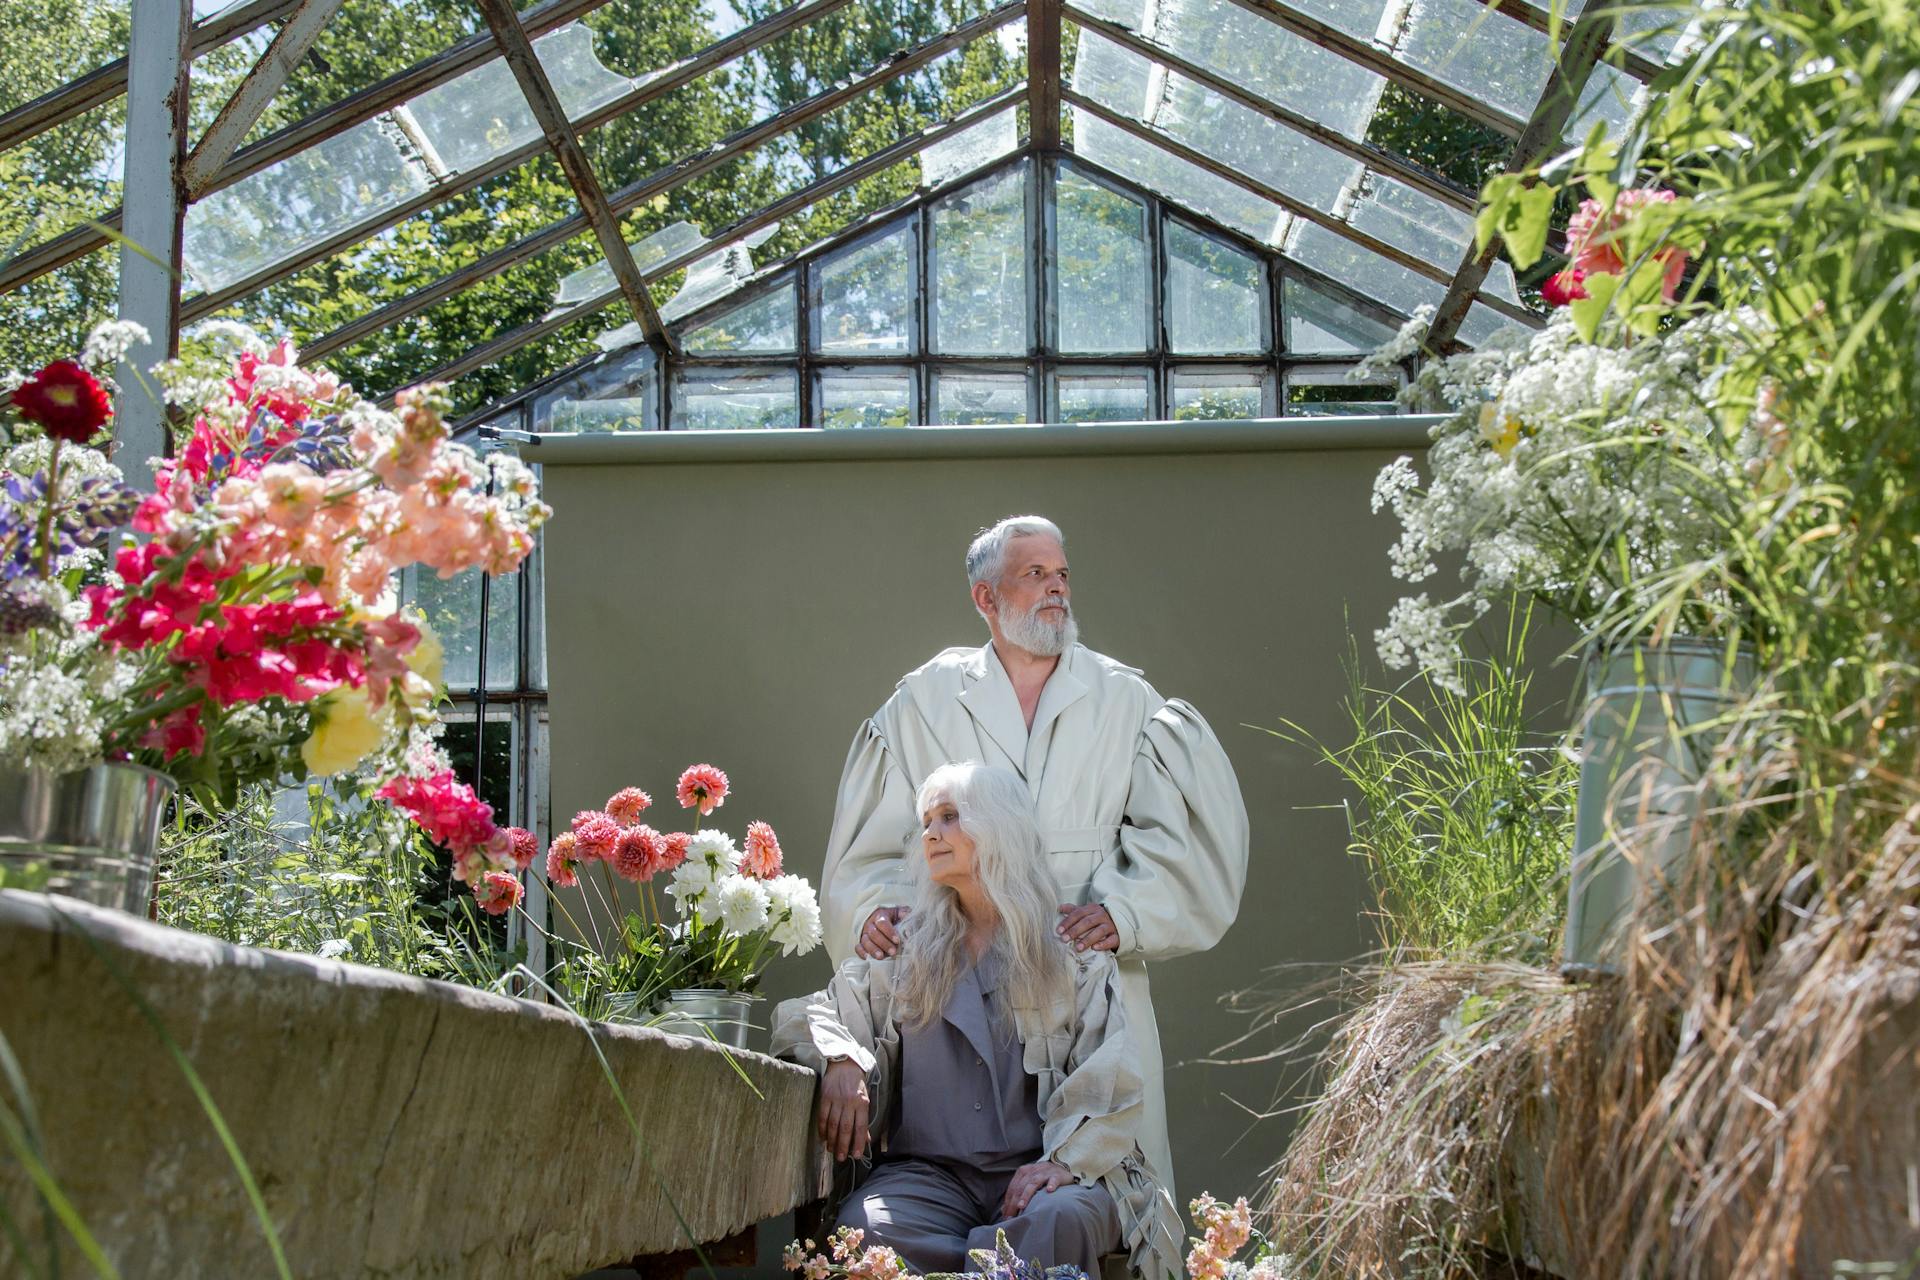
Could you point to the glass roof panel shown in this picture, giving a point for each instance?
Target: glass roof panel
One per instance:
(760, 326)
(1166, 174)
(1389, 210)
(597, 280)
(980, 234)
(716, 275)
(1319, 324)
(1213, 296)
(865, 397)
(1499, 60)
(1610, 95)
(746, 399)
(971, 148)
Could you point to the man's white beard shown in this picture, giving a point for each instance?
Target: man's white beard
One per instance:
(1040, 636)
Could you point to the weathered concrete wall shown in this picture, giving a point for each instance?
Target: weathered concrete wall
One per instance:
(397, 1127)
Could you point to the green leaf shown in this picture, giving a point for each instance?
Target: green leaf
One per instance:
(1526, 223)
(1494, 199)
(1587, 311)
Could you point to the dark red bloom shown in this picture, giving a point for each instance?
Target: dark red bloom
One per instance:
(65, 401)
(1563, 287)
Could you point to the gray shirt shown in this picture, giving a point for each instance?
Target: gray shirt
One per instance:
(965, 1095)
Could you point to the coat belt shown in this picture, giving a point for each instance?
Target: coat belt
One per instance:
(1079, 839)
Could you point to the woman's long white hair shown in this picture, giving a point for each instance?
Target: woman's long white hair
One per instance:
(996, 813)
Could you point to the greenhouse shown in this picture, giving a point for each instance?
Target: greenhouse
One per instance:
(500, 774)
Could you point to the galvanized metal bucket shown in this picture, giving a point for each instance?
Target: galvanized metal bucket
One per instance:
(697, 1011)
(1642, 758)
(89, 834)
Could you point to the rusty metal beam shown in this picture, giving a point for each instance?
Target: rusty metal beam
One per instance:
(564, 143)
(507, 343)
(269, 74)
(1419, 177)
(103, 84)
(1299, 208)
(1585, 44)
(1043, 73)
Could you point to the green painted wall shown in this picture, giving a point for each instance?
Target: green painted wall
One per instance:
(748, 603)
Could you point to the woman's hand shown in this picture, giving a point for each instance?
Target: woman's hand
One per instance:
(879, 938)
(844, 1108)
(1029, 1180)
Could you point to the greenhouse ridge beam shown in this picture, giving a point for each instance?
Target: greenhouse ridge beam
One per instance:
(1582, 52)
(1377, 158)
(1299, 208)
(1043, 73)
(242, 110)
(1381, 63)
(565, 146)
(103, 84)
(905, 149)
(684, 170)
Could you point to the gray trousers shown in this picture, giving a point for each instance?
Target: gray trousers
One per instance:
(932, 1213)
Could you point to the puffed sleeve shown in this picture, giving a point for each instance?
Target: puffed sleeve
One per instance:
(872, 820)
(839, 1022)
(1091, 1116)
(1174, 884)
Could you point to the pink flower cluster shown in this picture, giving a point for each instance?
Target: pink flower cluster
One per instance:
(1593, 247)
(702, 786)
(498, 893)
(452, 815)
(1227, 1228)
(849, 1259)
(615, 835)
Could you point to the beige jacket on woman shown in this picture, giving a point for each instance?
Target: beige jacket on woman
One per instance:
(1087, 1070)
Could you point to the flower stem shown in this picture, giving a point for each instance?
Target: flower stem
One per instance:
(46, 512)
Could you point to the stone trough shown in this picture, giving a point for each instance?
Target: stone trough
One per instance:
(396, 1127)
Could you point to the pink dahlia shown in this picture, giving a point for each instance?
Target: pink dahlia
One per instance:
(638, 855)
(704, 786)
(498, 893)
(525, 847)
(628, 804)
(673, 849)
(762, 858)
(598, 834)
(563, 860)
(1594, 233)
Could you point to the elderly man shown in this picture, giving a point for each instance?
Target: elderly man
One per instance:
(1145, 831)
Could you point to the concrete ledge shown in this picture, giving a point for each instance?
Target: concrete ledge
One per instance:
(1109, 439)
(397, 1127)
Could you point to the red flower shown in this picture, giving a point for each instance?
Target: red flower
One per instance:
(1563, 287)
(498, 893)
(65, 401)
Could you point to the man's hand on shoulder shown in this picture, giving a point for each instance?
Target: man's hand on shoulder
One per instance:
(1089, 928)
(880, 936)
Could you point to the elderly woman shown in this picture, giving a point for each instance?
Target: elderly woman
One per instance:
(987, 1065)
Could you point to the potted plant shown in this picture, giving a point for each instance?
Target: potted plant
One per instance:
(733, 907)
(242, 630)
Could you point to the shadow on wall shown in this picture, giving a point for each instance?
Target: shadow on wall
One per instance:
(753, 611)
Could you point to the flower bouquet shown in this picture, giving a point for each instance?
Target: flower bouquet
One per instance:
(732, 906)
(849, 1257)
(251, 636)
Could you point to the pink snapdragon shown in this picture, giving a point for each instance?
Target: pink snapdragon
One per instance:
(452, 815)
(1227, 1228)
(498, 893)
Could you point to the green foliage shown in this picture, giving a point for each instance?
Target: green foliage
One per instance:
(1463, 812)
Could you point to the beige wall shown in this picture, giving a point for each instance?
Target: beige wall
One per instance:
(748, 603)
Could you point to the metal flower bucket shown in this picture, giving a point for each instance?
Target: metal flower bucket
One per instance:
(1640, 773)
(700, 1010)
(90, 834)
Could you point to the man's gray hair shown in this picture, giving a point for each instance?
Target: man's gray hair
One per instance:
(987, 557)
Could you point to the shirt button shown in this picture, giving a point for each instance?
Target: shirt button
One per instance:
(979, 1062)
(976, 1106)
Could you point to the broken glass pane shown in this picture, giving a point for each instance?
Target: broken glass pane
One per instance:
(1102, 272)
(763, 326)
(305, 199)
(1316, 323)
(980, 250)
(716, 275)
(735, 399)
(597, 280)
(865, 397)
(1213, 295)
(1106, 396)
(1219, 394)
(863, 297)
(979, 398)
(972, 148)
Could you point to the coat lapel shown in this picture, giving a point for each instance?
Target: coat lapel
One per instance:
(1064, 689)
(988, 696)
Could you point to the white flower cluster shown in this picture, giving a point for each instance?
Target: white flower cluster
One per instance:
(1402, 346)
(710, 881)
(109, 343)
(57, 687)
(1579, 474)
(710, 857)
(795, 913)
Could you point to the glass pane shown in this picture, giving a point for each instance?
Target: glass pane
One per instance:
(1103, 397)
(980, 250)
(1499, 60)
(1213, 295)
(866, 398)
(597, 280)
(1102, 272)
(863, 298)
(1200, 394)
(536, 604)
(1317, 323)
(763, 326)
(614, 396)
(972, 148)
(1362, 270)
(1195, 189)
(452, 609)
(1482, 323)
(715, 276)
(964, 398)
(1319, 393)
(1390, 210)
(735, 399)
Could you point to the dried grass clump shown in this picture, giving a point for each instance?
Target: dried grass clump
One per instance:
(1742, 1100)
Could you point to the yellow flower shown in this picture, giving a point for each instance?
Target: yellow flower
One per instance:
(347, 731)
(428, 658)
(1502, 434)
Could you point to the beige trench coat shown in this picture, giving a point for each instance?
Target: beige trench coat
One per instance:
(1082, 1059)
(1138, 807)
